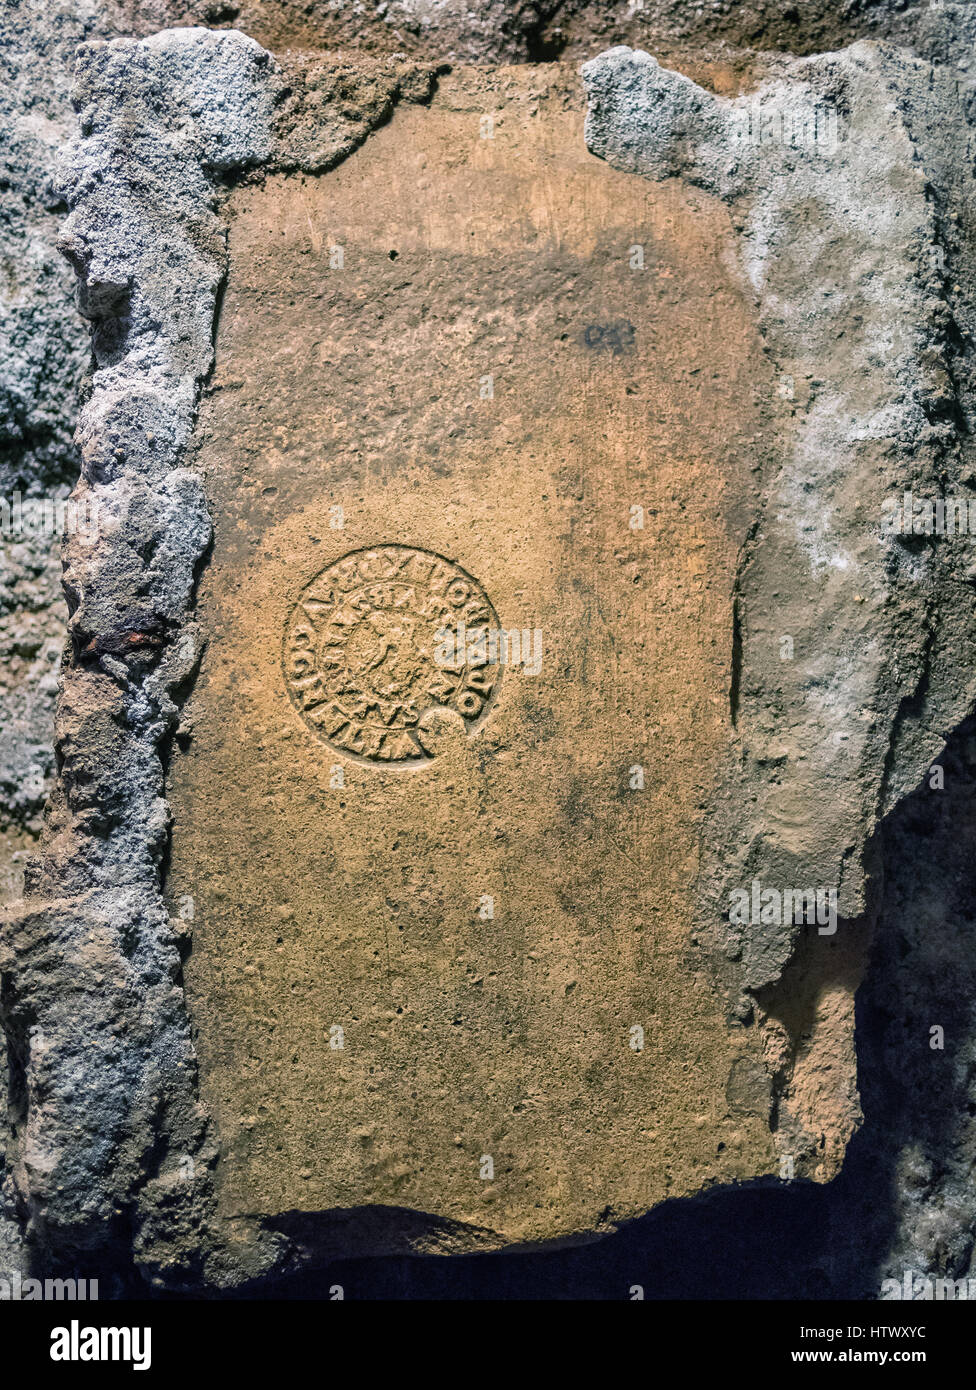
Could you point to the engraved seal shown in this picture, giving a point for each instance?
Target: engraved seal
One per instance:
(364, 653)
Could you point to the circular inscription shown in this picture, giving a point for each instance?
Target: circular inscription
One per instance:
(386, 648)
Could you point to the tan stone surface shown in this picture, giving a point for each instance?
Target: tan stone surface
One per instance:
(358, 906)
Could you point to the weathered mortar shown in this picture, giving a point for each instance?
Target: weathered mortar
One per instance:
(91, 961)
(845, 252)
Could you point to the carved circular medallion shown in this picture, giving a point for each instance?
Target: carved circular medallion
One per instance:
(385, 647)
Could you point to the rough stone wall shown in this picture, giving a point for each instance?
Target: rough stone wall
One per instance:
(880, 373)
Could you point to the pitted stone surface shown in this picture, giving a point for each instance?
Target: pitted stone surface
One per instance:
(486, 379)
